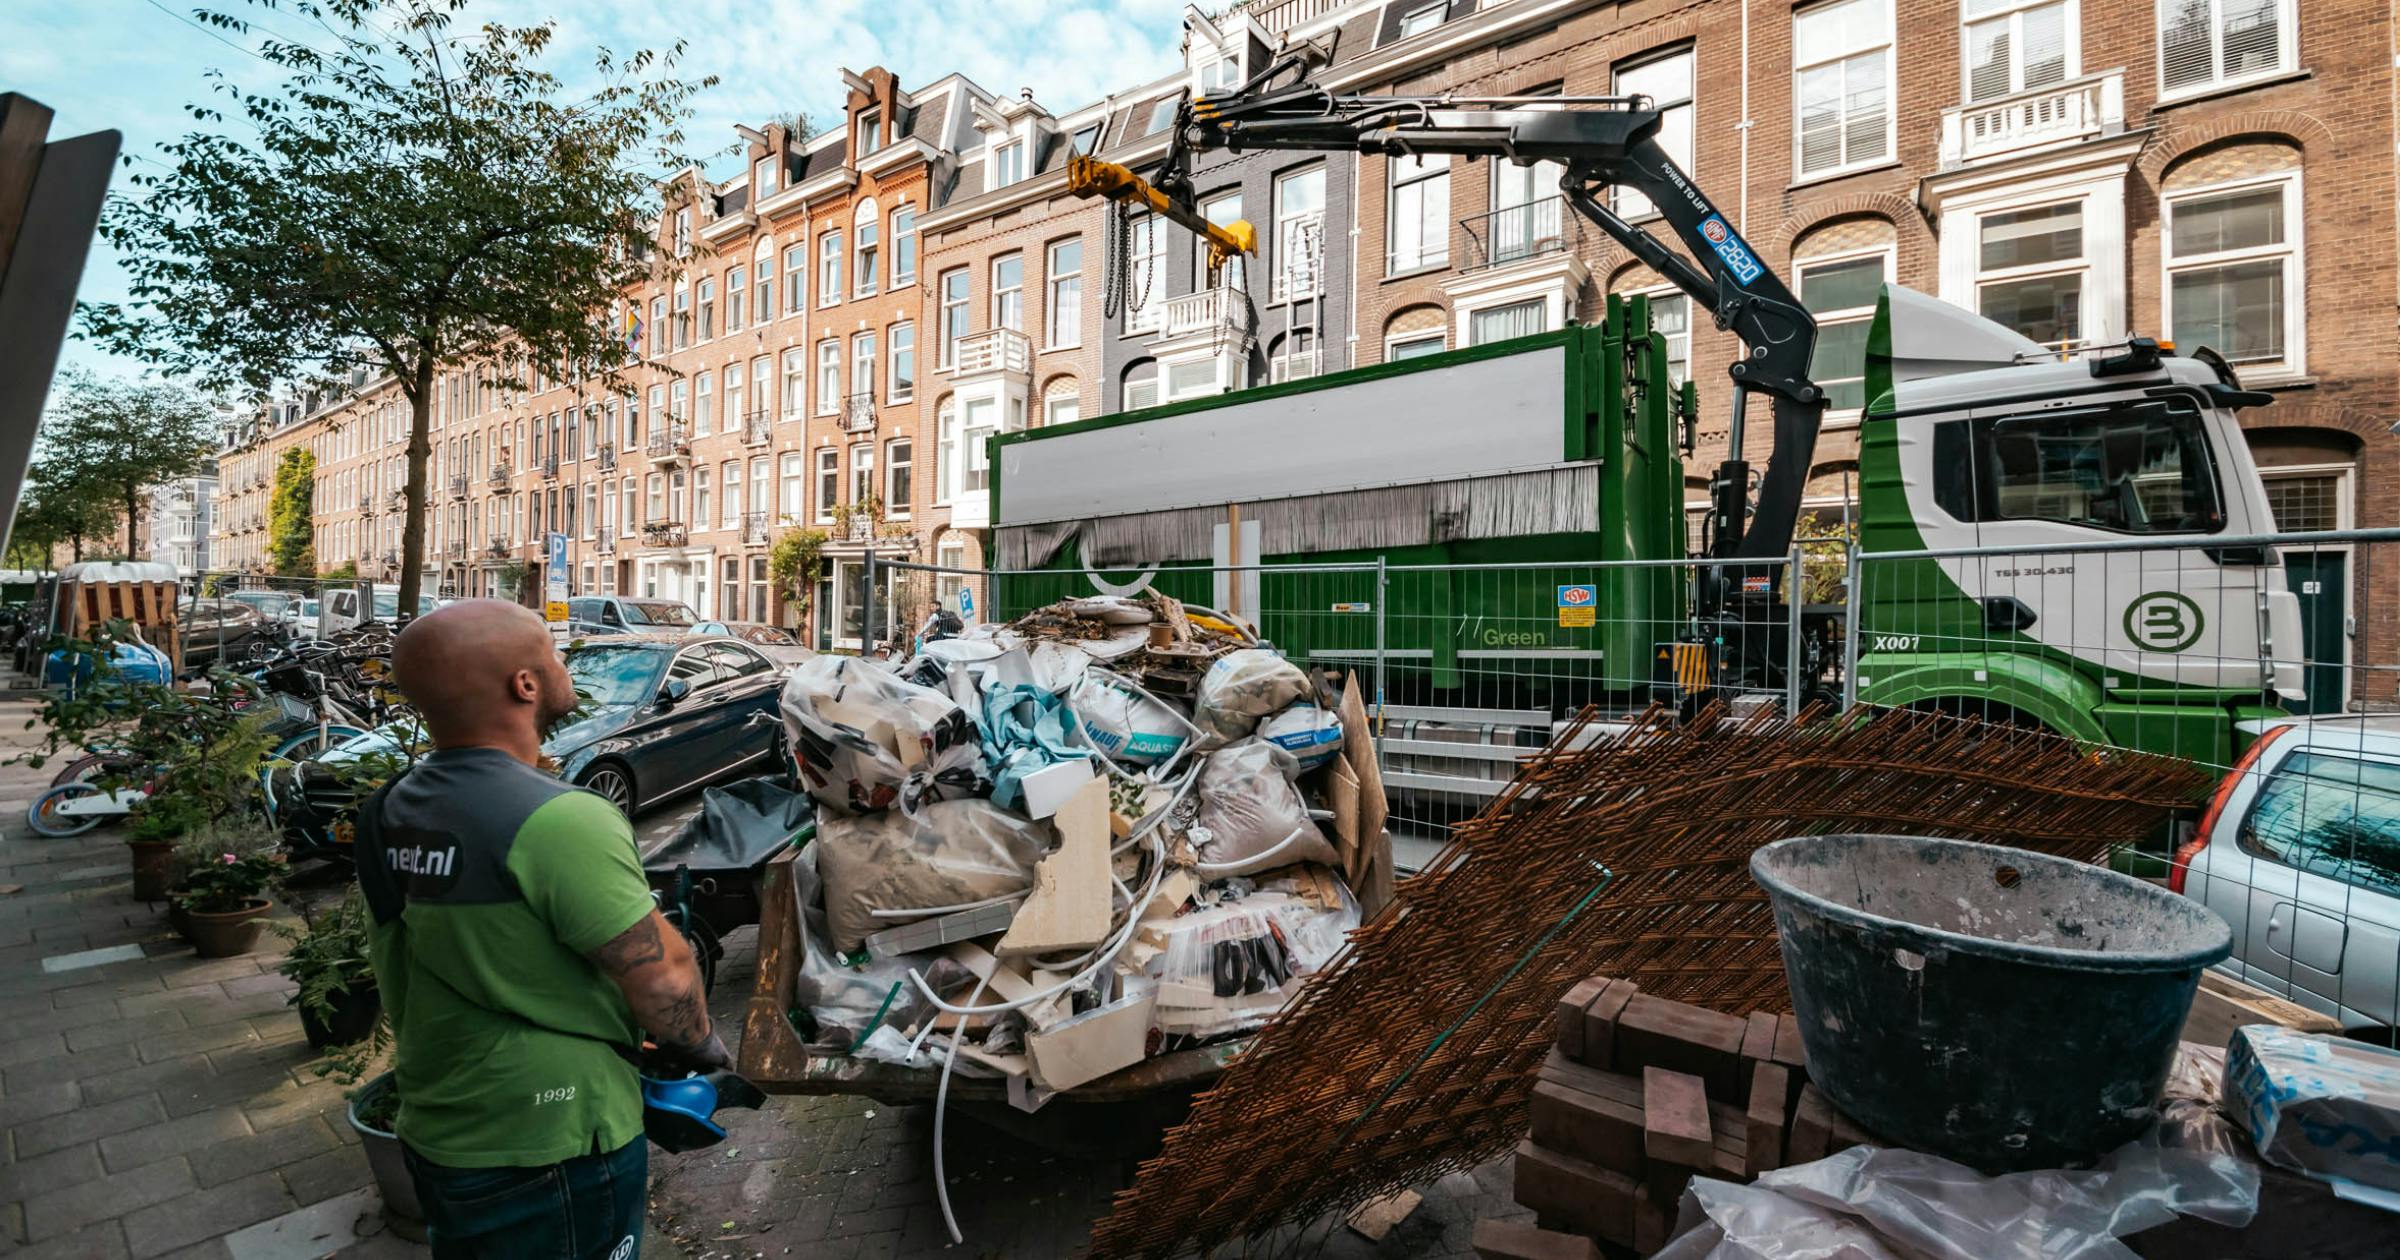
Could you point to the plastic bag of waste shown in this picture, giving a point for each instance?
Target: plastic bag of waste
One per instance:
(1242, 687)
(846, 1003)
(867, 739)
(946, 855)
(1130, 727)
(1226, 968)
(1116, 610)
(1253, 816)
(1313, 736)
(740, 825)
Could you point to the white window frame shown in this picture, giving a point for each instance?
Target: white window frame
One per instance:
(893, 507)
(1289, 229)
(2292, 251)
(1888, 255)
(729, 494)
(1153, 384)
(870, 132)
(2287, 59)
(865, 345)
(795, 382)
(829, 267)
(1052, 401)
(2084, 264)
(866, 244)
(1628, 203)
(795, 278)
(828, 465)
(1891, 110)
(1007, 309)
(1550, 320)
(791, 487)
(862, 473)
(1066, 333)
(1008, 163)
(945, 450)
(946, 351)
(2013, 12)
(1145, 262)
(1415, 21)
(737, 297)
(762, 179)
(1392, 343)
(1409, 173)
(892, 351)
(828, 376)
(904, 246)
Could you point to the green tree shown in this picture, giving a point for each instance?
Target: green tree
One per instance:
(418, 198)
(291, 514)
(55, 511)
(108, 442)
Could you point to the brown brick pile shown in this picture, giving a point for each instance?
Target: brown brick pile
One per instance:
(1639, 1096)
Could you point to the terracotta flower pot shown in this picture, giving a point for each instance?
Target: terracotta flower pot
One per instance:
(151, 867)
(226, 933)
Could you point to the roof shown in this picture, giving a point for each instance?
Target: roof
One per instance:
(120, 571)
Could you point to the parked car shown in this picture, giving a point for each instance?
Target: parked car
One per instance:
(341, 608)
(304, 622)
(665, 714)
(224, 631)
(2300, 852)
(625, 614)
(779, 644)
(274, 605)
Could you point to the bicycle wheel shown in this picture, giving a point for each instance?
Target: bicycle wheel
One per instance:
(309, 743)
(43, 817)
(83, 769)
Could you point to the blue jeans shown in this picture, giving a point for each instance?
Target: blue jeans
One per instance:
(588, 1208)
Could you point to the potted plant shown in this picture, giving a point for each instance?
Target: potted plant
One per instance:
(374, 1115)
(336, 997)
(224, 902)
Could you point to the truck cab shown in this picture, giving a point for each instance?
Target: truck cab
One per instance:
(2038, 538)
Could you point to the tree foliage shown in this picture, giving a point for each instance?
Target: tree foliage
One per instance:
(424, 196)
(291, 513)
(104, 444)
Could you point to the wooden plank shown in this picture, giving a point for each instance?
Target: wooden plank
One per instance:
(2223, 1004)
(771, 1047)
(1373, 882)
(1376, 1217)
(1068, 909)
(1675, 1119)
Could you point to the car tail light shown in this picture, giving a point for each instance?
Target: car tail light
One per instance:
(2182, 867)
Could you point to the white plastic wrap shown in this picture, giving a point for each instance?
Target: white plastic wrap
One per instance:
(948, 853)
(846, 1002)
(1242, 687)
(1313, 736)
(1131, 728)
(1254, 818)
(1115, 610)
(868, 739)
(1227, 968)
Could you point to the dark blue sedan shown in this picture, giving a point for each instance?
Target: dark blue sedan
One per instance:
(665, 714)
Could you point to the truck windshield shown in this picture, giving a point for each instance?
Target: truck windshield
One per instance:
(2139, 467)
(657, 613)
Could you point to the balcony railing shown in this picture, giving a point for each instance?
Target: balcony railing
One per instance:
(550, 468)
(608, 458)
(994, 350)
(1224, 311)
(366, 504)
(396, 500)
(670, 443)
(458, 486)
(858, 413)
(1517, 233)
(754, 529)
(758, 428)
(500, 475)
(456, 549)
(605, 541)
(1279, 16)
(2059, 114)
(496, 549)
(665, 535)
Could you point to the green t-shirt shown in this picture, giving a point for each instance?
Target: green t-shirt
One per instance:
(506, 1032)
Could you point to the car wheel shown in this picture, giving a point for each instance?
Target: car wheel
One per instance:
(613, 782)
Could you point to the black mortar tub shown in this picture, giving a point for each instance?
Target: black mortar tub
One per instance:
(2001, 1008)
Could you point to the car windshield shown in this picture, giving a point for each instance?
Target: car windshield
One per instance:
(387, 605)
(266, 602)
(615, 675)
(308, 608)
(770, 635)
(657, 613)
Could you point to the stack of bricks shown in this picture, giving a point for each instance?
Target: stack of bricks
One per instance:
(1639, 1096)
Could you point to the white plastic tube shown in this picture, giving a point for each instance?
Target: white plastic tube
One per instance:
(941, 1112)
(1255, 858)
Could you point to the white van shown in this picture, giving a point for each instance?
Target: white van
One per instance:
(339, 609)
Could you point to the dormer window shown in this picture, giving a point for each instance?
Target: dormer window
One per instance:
(762, 180)
(1008, 163)
(870, 131)
(1423, 18)
(683, 232)
(1087, 138)
(1221, 75)
(1162, 112)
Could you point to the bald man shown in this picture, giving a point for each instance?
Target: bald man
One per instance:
(519, 956)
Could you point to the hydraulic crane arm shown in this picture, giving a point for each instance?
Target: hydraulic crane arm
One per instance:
(1599, 142)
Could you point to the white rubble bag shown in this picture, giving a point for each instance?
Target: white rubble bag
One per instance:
(1254, 818)
(1242, 687)
(1313, 736)
(1132, 728)
(948, 855)
(867, 739)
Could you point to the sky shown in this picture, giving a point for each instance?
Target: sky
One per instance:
(134, 64)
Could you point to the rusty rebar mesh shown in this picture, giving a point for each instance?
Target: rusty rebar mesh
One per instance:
(1413, 1054)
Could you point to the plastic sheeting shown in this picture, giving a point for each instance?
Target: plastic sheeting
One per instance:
(1025, 729)
(868, 739)
(947, 855)
(739, 826)
(847, 1003)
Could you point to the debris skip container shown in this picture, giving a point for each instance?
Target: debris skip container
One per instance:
(2005, 1009)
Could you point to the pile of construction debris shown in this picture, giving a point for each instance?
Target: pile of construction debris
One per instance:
(1112, 829)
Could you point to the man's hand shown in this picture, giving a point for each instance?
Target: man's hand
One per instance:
(654, 969)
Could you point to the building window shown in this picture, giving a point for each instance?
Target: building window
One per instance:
(1194, 380)
(1842, 294)
(829, 376)
(868, 230)
(737, 294)
(1842, 74)
(1422, 18)
(700, 517)
(1294, 357)
(795, 487)
(862, 363)
(1008, 292)
(683, 232)
(2013, 46)
(1516, 319)
(795, 382)
(954, 314)
(829, 482)
(1086, 139)
(968, 467)
(683, 317)
(1141, 386)
(1667, 81)
(1061, 404)
(1145, 252)
(904, 246)
(1221, 74)
(903, 381)
(736, 412)
(658, 498)
(1299, 234)
(1420, 213)
(729, 476)
(762, 294)
(679, 410)
(2204, 44)
(870, 131)
(795, 276)
(704, 403)
(2233, 272)
(658, 329)
(1671, 319)
(899, 471)
(829, 268)
(1064, 311)
(945, 450)
(1162, 112)
(2030, 270)
(762, 180)
(762, 387)
(1415, 345)
(862, 474)
(708, 309)
(1224, 211)
(1008, 164)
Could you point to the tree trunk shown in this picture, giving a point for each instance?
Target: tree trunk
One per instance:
(132, 525)
(420, 449)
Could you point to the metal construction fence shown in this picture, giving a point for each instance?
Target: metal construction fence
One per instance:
(2202, 648)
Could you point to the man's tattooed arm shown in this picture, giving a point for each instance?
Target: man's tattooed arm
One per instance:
(654, 968)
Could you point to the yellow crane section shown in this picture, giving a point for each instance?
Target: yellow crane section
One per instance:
(1091, 177)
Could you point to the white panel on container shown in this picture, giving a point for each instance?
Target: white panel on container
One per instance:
(1463, 420)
